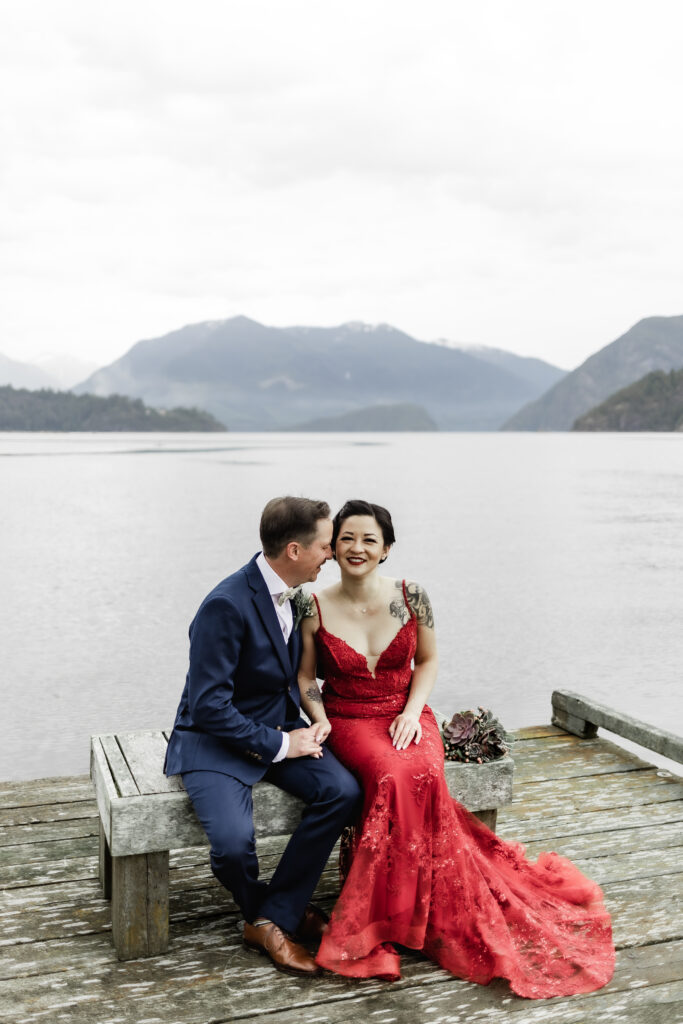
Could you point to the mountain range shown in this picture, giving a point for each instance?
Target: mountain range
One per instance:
(57, 372)
(653, 403)
(655, 343)
(254, 377)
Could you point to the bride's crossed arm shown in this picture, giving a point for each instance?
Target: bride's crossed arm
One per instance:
(406, 727)
(311, 698)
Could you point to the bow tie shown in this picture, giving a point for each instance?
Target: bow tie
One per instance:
(288, 594)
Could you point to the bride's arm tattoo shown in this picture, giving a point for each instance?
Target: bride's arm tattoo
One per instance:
(314, 695)
(420, 604)
(397, 607)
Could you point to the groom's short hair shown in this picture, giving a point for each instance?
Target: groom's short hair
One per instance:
(287, 519)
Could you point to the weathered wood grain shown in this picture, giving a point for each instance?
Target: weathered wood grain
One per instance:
(104, 865)
(481, 786)
(515, 822)
(601, 792)
(47, 832)
(120, 773)
(205, 980)
(568, 706)
(139, 907)
(53, 851)
(34, 813)
(45, 791)
(144, 753)
(539, 762)
(535, 732)
(618, 842)
(58, 962)
(106, 792)
(21, 876)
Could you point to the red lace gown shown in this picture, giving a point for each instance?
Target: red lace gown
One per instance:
(426, 874)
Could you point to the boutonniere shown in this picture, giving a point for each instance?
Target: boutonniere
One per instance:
(303, 607)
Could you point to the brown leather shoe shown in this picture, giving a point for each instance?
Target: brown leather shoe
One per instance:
(312, 925)
(286, 954)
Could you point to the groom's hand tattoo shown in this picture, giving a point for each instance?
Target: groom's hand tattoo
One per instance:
(421, 605)
(314, 695)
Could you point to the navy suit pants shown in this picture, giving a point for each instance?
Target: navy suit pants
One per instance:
(224, 807)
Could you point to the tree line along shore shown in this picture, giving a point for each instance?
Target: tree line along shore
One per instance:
(21, 409)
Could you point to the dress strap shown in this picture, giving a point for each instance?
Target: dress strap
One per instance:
(405, 598)
(317, 604)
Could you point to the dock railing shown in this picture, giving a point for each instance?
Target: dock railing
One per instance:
(582, 717)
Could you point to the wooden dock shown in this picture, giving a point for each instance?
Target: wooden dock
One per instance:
(619, 818)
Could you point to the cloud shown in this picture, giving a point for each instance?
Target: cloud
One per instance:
(503, 174)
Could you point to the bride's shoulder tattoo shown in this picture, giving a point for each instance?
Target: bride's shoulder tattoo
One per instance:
(420, 604)
(397, 607)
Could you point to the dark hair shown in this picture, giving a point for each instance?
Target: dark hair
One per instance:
(287, 519)
(357, 507)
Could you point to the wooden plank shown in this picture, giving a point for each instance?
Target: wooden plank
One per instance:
(118, 766)
(565, 703)
(596, 793)
(105, 789)
(208, 976)
(144, 753)
(443, 1003)
(46, 832)
(605, 844)
(104, 866)
(47, 872)
(45, 791)
(34, 813)
(530, 732)
(153, 823)
(45, 896)
(34, 856)
(643, 864)
(513, 824)
(167, 820)
(481, 786)
(661, 904)
(540, 762)
(139, 906)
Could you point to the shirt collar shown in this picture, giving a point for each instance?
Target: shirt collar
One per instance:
(273, 582)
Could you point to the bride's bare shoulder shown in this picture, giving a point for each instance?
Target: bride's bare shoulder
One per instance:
(330, 595)
(417, 599)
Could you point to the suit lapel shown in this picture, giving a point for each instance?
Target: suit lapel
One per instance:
(264, 606)
(294, 647)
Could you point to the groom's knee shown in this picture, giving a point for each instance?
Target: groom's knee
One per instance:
(232, 844)
(348, 793)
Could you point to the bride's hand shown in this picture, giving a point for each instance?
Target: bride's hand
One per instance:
(404, 729)
(322, 730)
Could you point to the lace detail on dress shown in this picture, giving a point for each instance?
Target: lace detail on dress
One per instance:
(425, 873)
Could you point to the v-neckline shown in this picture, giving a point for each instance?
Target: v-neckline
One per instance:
(364, 657)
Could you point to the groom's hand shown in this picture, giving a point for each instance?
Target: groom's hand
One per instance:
(304, 743)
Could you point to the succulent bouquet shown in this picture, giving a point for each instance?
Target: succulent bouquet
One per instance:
(472, 737)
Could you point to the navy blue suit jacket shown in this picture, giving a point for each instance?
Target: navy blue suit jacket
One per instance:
(241, 690)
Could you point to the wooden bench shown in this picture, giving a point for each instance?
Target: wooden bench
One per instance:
(144, 814)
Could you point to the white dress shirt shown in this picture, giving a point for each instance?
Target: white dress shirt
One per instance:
(276, 586)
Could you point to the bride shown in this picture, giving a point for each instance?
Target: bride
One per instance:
(424, 873)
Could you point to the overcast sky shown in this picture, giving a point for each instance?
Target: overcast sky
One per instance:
(494, 173)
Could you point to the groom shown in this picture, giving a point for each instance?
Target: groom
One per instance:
(239, 721)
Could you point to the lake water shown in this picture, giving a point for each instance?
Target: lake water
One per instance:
(552, 561)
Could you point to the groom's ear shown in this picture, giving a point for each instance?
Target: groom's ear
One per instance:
(293, 550)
